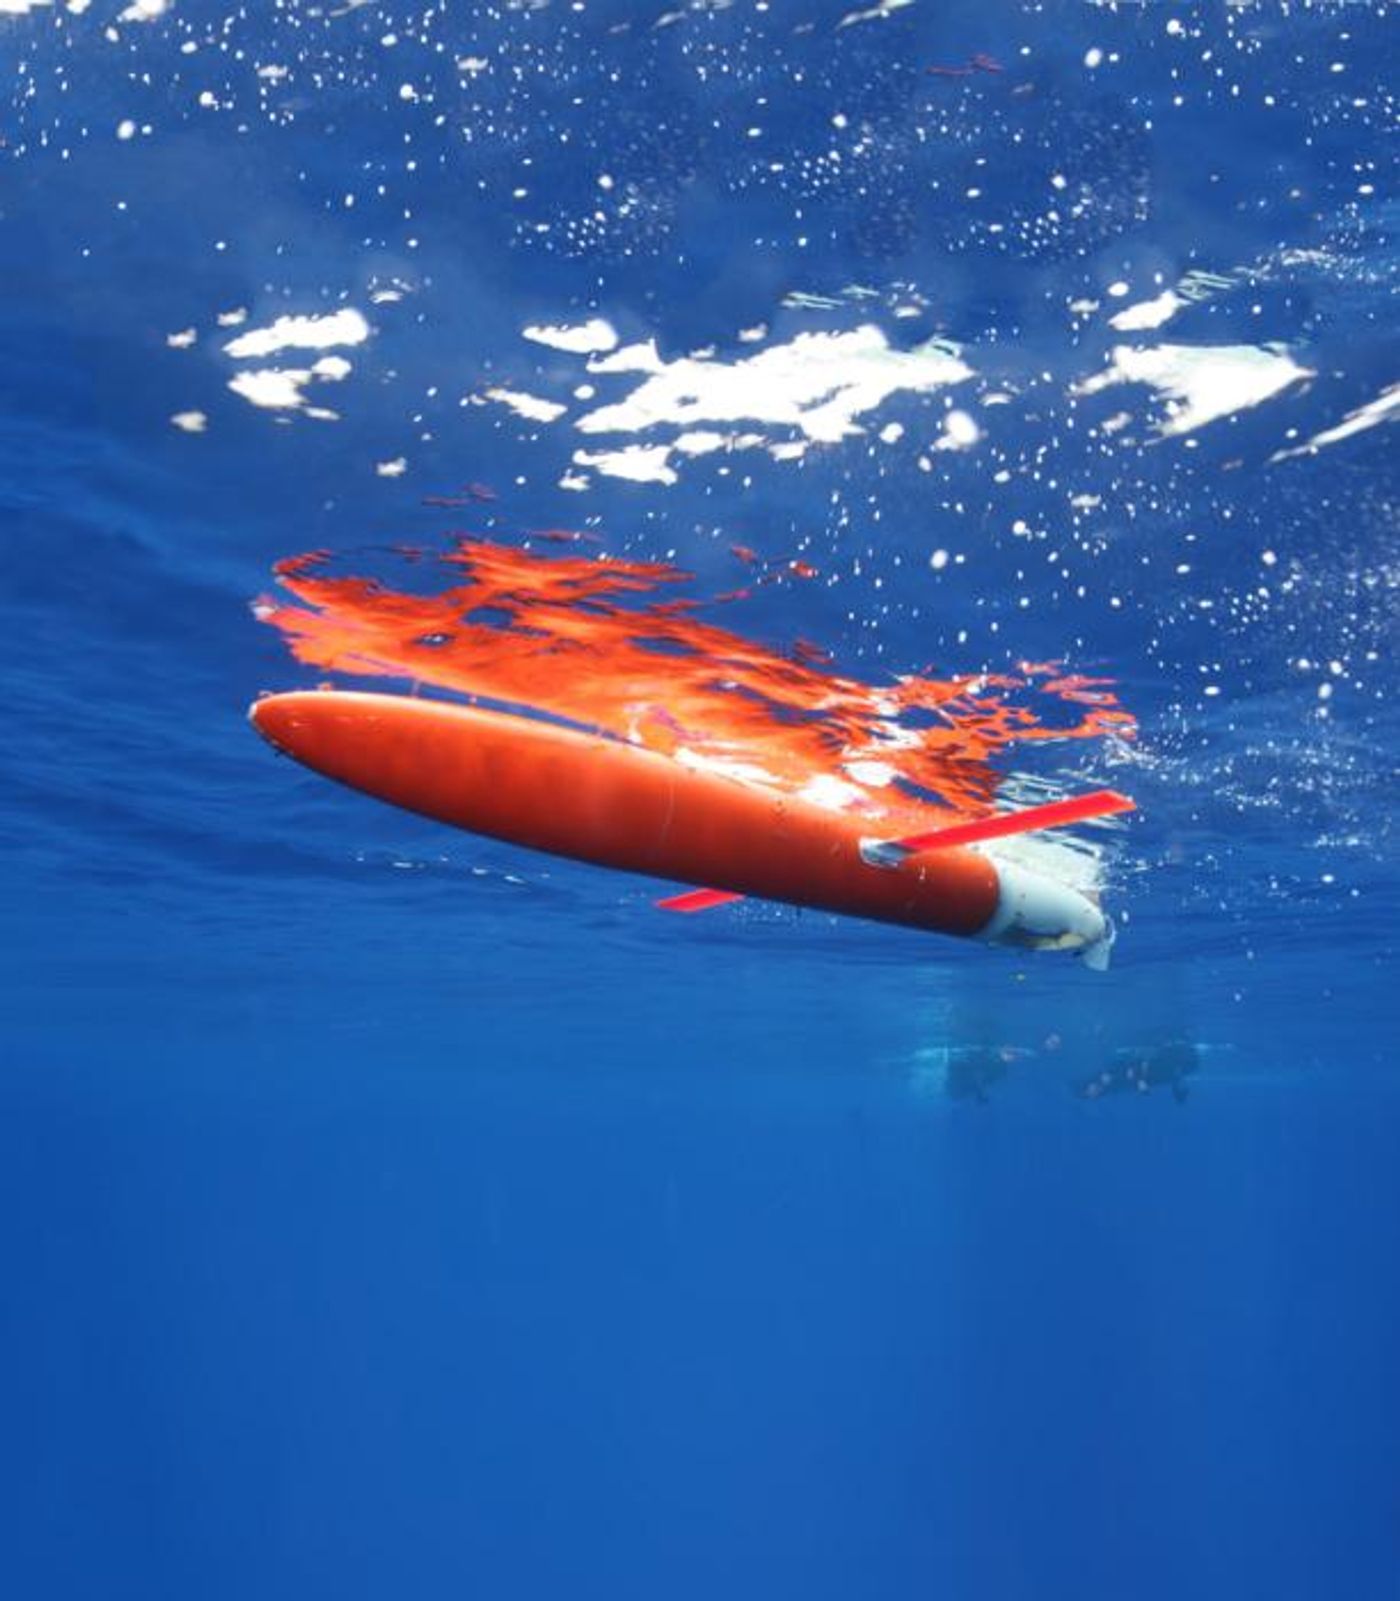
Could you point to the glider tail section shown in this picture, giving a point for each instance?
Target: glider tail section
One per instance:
(1093, 945)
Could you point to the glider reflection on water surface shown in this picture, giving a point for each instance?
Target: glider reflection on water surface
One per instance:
(690, 752)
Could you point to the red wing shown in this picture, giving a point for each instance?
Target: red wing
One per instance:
(698, 900)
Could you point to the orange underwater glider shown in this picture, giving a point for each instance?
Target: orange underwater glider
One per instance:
(599, 800)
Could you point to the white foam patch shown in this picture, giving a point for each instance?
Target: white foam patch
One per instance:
(530, 406)
(283, 388)
(182, 340)
(883, 8)
(21, 8)
(190, 422)
(960, 432)
(631, 358)
(346, 327)
(641, 464)
(1200, 383)
(585, 339)
(818, 384)
(276, 389)
(1384, 408)
(1148, 313)
(144, 11)
(392, 469)
(703, 442)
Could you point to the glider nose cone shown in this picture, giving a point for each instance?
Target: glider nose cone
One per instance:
(354, 738)
(306, 724)
(275, 718)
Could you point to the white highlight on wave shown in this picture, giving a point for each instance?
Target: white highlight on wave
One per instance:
(1200, 383)
(346, 327)
(585, 339)
(960, 432)
(1148, 313)
(813, 390)
(640, 464)
(527, 406)
(1384, 408)
(875, 13)
(818, 384)
(283, 388)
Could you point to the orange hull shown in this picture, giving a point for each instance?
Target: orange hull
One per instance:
(598, 800)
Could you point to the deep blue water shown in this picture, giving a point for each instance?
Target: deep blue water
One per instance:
(390, 1212)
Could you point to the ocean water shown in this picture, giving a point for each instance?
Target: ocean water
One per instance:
(393, 1212)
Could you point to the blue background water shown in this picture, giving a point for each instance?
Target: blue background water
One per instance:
(389, 1212)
